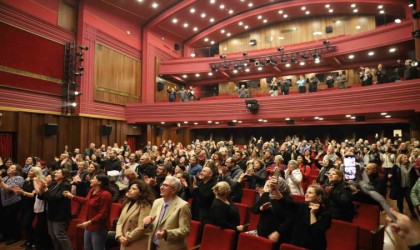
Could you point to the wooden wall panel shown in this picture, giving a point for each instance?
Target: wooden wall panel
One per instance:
(67, 15)
(298, 31)
(117, 77)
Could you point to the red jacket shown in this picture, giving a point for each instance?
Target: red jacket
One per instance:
(96, 208)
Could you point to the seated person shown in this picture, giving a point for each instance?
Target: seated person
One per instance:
(223, 212)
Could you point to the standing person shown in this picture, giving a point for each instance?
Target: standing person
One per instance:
(285, 86)
(341, 80)
(301, 84)
(170, 218)
(191, 93)
(313, 83)
(329, 82)
(415, 197)
(183, 95)
(172, 93)
(242, 92)
(381, 74)
(130, 231)
(58, 207)
(294, 178)
(11, 203)
(274, 87)
(366, 77)
(97, 205)
(203, 194)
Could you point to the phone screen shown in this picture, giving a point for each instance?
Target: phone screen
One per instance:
(350, 168)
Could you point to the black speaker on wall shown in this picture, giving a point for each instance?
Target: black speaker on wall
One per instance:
(177, 47)
(158, 131)
(106, 129)
(160, 86)
(50, 129)
(328, 29)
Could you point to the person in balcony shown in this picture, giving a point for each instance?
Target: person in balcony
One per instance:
(285, 86)
(366, 76)
(242, 92)
(313, 83)
(341, 80)
(329, 82)
(172, 93)
(301, 84)
(381, 76)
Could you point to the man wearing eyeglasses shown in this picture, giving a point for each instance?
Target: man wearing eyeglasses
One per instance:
(169, 219)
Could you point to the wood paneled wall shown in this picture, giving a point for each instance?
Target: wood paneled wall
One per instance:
(117, 77)
(297, 31)
(76, 132)
(163, 94)
(67, 15)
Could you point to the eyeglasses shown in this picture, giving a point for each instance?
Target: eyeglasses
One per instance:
(167, 185)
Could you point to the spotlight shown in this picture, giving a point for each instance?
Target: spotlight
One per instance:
(251, 60)
(226, 65)
(412, 4)
(272, 62)
(304, 56)
(78, 74)
(82, 47)
(252, 105)
(327, 43)
(281, 49)
(223, 57)
(214, 68)
(252, 42)
(258, 63)
(315, 55)
(414, 63)
(81, 59)
(77, 93)
(293, 60)
(79, 54)
(238, 66)
(74, 84)
(244, 54)
(416, 34)
(81, 68)
(283, 60)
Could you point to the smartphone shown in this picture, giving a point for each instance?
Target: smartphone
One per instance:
(276, 173)
(350, 168)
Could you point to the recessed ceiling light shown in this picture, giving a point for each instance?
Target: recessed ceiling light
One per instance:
(210, 73)
(185, 25)
(398, 20)
(230, 11)
(192, 54)
(331, 10)
(222, 31)
(260, 120)
(392, 50)
(228, 34)
(209, 121)
(316, 117)
(259, 17)
(174, 20)
(260, 68)
(380, 6)
(162, 123)
(265, 20)
(303, 8)
(246, 27)
(371, 53)
(195, 123)
(250, 4)
(348, 116)
(195, 28)
(287, 65)
(353, 5)
(384, 113)
(287, 119)
(192, 10)
(212, 42)
(212, 1)
(240, 23)
(358, 27)
(235, 71)
(211, 19)
(203, 15)
(280, 11)
(184, 76)
(197, 75)
(321, 118)
(155, 5)
(285, 15)
(302, 63)
(186, 122)
(222, 6)
(352, 117)
(382, 12)
(355, 10)
(307, 12)
(387, 116)
(327, 6)
(247, 70)
(206, 39)
(216, 122)
(281, 37)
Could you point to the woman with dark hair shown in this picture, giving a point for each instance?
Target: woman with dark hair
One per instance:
(97, 205)
(305, 170)
(340, 197)
(322, 178)
(309, 220)
(130, 231)
(83, 186)
(57, 207)
(11, 203)
(77, 187)
(257, 174)
(6, 164)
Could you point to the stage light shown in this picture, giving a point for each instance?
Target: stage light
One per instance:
(283, 60)
(293, 60)
(78, 74)
(81, 68)
(326, 43)
(223, 57)
(226, 65)
(251, 60)
(79, 53)
(416, 34)
(272, 62)
(315, 55)
(214, 68)
(77, 93)
(281, 49)
(74, 104)
(74, 84)
(304, 56)
(82, 47)
(252, 42)
(81, 59)
(244, 54)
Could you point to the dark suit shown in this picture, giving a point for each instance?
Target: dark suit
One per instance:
(176, 221)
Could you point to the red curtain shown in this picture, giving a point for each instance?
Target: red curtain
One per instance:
(6, 145)
(131, 141)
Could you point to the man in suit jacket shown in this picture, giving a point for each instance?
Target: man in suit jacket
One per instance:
(169, 219)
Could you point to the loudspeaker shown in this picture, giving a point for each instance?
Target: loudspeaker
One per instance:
(50, 129)
(252, 42)
(231, 124)
(160, 86)
(106, 129)
(328, 29)
(291, 122)
(158, 131)
(252, 105)
(177, 47)
(360, 118)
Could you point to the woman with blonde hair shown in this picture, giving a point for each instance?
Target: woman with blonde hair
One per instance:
(223, 212)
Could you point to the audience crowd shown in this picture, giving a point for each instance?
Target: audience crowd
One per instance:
(162, 187)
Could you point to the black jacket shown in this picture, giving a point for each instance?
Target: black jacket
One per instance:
(396, 181)
(340, 202)
(58, 207)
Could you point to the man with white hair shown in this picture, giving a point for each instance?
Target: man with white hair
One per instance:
(169, 219)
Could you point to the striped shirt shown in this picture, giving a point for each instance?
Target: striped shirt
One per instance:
(9, 197)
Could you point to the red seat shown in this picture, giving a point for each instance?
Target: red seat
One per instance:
(216, 238)
(195, 234)
(253, 221)
(286, 246)
(297, 197)
(114, 213)
(244, 211)
(75, 208)
(371, 233)
(342, 235)
(75, 234)
(252, 242)
(248, 197)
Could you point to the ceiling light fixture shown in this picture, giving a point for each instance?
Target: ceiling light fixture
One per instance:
(351, 56)
(331, 10)
(192, 10)
(211, 19)
(203, 15)
(327, 6)
(155, 5)
(197, 75)
(392, 50)
(371, 53)
(222, 6)
(240, 23)
(355, 10)
(397, 20)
